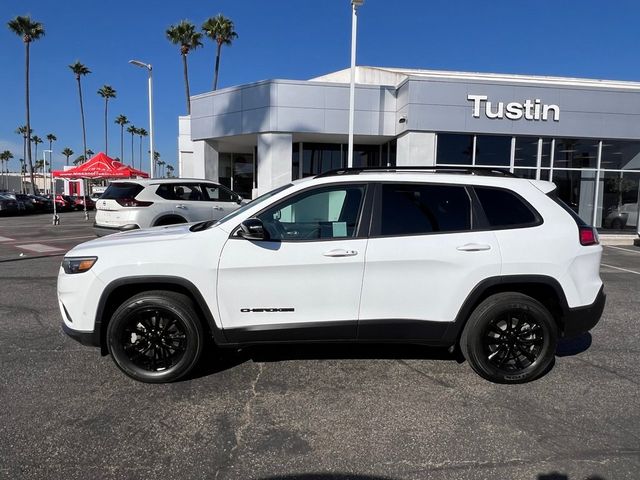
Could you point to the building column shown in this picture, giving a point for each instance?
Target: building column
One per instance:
(274, 161)
(196, 159)
(416, 148)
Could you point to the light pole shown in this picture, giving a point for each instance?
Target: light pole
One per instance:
(44, 167)
(56, 218)
(149, 68)
(352, 86)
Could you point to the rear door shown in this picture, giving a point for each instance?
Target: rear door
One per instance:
(111, 210)
(422, 261)
(187, 200)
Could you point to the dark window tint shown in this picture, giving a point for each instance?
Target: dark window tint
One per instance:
(493, 150)
(217, 193)
(413, 209)
(454, 149)
(504, 209)
(187, 191)
(121, 190)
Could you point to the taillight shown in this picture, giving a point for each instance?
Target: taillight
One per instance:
(588, 236)
(132, 202)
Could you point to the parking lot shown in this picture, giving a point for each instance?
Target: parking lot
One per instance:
(305, 412)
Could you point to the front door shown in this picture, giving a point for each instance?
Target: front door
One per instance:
(305, 282)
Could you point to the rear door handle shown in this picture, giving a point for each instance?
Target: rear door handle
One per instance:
(340, 252)
(218, 208)
(474, 247)
(181, 206)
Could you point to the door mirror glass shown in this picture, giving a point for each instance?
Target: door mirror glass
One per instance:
(239, 200)
(253, 229)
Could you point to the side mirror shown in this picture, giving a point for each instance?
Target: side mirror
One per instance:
(253, 229)
(239, 200)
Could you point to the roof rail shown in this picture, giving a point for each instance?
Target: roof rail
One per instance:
(486, 171)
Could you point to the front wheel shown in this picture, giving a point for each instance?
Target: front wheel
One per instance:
(510, 338)
(155, 336)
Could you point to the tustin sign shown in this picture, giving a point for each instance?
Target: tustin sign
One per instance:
(529, 110)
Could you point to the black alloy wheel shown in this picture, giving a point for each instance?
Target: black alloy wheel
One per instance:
(155, 336)
(510, 338)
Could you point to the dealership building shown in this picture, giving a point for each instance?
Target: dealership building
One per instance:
(582, 134)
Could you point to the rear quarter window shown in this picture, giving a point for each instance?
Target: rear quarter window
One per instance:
(505, 209)
(121, 190)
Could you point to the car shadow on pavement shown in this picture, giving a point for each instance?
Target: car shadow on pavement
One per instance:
(217, 359)
(562, 476)
(568, 347)
(325, 476)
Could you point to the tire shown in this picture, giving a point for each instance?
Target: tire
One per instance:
(616, 224)
(510, 338)
(155, 336)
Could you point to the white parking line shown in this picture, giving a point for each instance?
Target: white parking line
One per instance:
(625, 249)
(6, 239)
(618, 268)
(38, 248)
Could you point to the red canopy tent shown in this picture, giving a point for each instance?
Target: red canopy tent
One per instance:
(100, 166)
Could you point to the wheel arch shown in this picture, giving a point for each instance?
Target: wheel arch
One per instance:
(544, 289)
(121, 289)
(159, 222)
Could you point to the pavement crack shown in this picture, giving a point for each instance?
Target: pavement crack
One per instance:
(608, 370)
(425, 375)
(245, 420)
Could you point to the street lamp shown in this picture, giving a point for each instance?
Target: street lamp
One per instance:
(352, 87)
(149, 68)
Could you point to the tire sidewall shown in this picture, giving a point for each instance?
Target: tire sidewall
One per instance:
(137, 305)
(474, 349)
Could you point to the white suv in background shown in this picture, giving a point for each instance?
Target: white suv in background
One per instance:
(135, 204)
(470, 259)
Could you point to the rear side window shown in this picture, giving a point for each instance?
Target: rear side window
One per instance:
(505, 209)
(175, 191)
(415, 209)
(121, 190)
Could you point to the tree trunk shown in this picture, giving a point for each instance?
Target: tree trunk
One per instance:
(140, 152)
(29, 159)
(215, 75)
(84, 136)
(186, 82)
(24, 159)
(106, 139)
(133, 159)
(122, 143)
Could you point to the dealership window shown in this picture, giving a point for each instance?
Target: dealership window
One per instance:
(321, 157)
(454, 149)
(492, 150)
(526, 152)
(620, 155)
(575, 153)
(235, 170)
(577, 189)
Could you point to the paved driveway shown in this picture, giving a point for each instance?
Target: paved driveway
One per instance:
(313, 412)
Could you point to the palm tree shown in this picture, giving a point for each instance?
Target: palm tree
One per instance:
(36, 140)
(169, 171)
(132, 129)
(106, 92)
(90, 153)
(52, 138)
(220, 30)
(22, 130)
(29, 31)
(4, 158)
(79, 159)
(185, 35)
(141, 133)
(122, 121)
(80, 70)
(67, 152)
(39, 165)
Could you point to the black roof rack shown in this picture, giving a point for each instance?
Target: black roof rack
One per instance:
(486, 171)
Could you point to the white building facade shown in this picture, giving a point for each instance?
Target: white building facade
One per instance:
(582, 134)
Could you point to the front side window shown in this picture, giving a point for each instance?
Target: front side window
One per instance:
(215, 193)
(416, 209)
(320, 214)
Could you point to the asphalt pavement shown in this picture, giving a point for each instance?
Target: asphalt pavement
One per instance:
(307, 412)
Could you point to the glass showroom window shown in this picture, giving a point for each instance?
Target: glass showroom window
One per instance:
(493, 150)
(575, 153)
(321, 157)
(454, 149)
(577, 189)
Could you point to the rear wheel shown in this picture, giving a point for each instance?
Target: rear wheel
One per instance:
(155, 336)
(510, 338)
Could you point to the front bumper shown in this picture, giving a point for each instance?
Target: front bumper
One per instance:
(102, 230)
(90, 339)
(582, 319)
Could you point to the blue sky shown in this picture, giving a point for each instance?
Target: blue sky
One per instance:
(284, 39)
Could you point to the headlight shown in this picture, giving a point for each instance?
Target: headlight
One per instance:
(78, 264)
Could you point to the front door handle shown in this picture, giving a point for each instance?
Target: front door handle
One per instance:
(217, 208)
(474, 247)
(340, 252)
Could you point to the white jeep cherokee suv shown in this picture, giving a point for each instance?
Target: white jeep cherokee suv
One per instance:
(462, 258)
(134, 204)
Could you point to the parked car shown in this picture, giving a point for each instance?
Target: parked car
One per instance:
(626, 215)
(63, 202)
(134, 204)
(493, 266)
(41, 204)
(78, 202)
(8, 205)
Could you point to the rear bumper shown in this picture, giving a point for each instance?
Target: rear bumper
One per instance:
(582, 319)
(102, 230)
